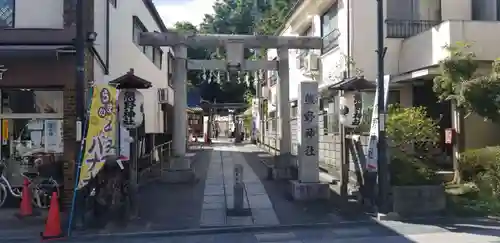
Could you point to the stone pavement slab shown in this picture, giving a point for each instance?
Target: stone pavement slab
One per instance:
(219, 185)
(287, 210)
(165, 206)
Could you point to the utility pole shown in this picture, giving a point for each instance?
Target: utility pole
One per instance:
(79, 43)
(383, 168)
(80, 70)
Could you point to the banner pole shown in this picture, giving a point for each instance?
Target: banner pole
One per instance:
(79, 162)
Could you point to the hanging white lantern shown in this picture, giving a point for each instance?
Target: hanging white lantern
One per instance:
(351, 109)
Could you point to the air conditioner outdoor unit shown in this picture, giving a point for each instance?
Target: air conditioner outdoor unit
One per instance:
(311, 62)
(163, 96)
(298, 62)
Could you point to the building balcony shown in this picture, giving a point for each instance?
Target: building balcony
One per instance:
(426, 48)
(399, 28)
(330, 41)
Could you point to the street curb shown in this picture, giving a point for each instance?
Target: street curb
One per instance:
(219, 230)
(233, 229)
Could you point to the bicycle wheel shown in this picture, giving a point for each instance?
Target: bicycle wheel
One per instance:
(3, 194)
(42, 192)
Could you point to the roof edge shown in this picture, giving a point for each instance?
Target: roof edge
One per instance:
(154, 13)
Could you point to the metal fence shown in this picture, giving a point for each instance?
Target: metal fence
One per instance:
(151, 165)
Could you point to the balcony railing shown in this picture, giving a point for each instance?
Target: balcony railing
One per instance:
(397, 28)
(330, 40)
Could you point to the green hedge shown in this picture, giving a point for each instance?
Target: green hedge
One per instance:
(482, 166)
(475, 161)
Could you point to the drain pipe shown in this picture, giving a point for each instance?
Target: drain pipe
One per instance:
(349, 37)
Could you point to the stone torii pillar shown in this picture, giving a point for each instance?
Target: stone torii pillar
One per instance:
(235, 45)
(180, 104)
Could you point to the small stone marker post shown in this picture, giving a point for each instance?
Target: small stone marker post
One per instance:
(238, 188)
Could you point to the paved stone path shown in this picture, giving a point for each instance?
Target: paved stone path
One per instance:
(218, 194)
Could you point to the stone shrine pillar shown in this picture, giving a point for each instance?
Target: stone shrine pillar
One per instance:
(308, 186)
(284, 102)
(180, 170)
(180, 101)
(282, 168)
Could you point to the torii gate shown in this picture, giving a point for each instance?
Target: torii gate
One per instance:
(234, 45)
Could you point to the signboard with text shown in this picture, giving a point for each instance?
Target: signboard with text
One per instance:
(130, 106)
(101, 134)
(255, 117)
(372, 155)
(308, 108)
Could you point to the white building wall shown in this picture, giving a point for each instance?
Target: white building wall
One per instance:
(273, 89)
(363, 37)
(125, 55)
(39, 14)
(100, 26)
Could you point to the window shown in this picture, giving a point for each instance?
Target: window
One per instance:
(330, 20)
(329, 28)
(138, 28)
(149, 52)
(113, 2)
(158, 57)
(484, 9)
(6, 13)
(155, 54)
(170, 69)
(403, 9)
(369, 97)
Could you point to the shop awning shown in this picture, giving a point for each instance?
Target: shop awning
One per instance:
(354, 83)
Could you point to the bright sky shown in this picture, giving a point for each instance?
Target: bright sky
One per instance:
(192, 11)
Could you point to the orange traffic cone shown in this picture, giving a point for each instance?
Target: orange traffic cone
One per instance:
(26, 208)
(53, 229)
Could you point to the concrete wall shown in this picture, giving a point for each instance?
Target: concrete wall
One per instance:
(480, 133)
(125, 55)
(426, 49)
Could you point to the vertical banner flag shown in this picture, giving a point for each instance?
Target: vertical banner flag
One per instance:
(372, 156)
(255, 118)
(101, 133)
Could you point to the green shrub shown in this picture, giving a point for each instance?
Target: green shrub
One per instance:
(482, 167)
(412, 136)
(488, 181)
(475, 161)
(412, 171)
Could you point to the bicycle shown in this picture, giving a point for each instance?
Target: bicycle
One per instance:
(41, 187)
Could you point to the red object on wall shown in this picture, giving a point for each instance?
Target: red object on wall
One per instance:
(449, 135)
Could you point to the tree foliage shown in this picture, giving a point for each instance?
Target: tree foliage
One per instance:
(232, 17)
(483, 94)
(472, 91)
(455, 71)
(274, 16)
